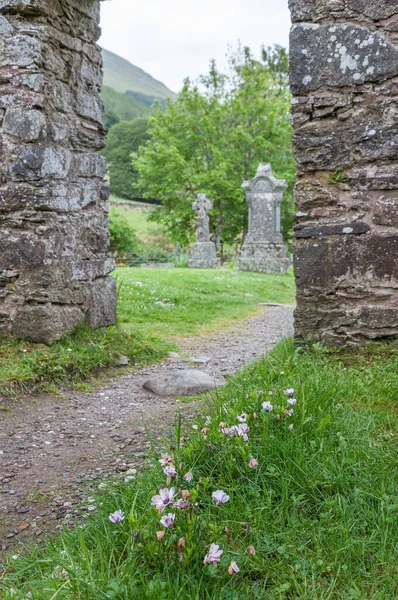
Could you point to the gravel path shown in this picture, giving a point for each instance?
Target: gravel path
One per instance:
(52, 449)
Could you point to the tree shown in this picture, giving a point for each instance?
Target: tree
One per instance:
(123, 139)
(213, 137)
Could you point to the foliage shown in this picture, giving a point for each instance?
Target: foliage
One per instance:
(123, 238)
(180, 302)
(213, 137)
(123, 139)
(338, 177)
(75, 358)
(315, 519)
(121, 107)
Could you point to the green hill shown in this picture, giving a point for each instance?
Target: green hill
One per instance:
(121, 107)
(123, 77)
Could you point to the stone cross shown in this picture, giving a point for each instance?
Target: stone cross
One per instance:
(202, 206)
(264, 196)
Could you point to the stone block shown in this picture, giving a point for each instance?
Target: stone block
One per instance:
(26, 125)
(264, 258)
(102, 308)
(339, 55)
(46, 323)
(204, 256)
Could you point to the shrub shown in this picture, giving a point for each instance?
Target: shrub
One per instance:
(123, 238)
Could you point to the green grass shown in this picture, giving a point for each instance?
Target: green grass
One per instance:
(76, 358)
(195, 300)
(320, 510)
(179, 302)
(137, 217)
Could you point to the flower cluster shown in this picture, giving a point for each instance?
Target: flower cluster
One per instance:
(167, 498)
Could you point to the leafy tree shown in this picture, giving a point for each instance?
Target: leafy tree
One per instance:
(123, 139)
(213, 137)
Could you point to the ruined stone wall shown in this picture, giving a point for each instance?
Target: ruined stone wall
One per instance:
(344, 77)
(53, 202)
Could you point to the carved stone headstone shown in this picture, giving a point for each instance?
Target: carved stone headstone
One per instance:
(263, 249)
(203, 254)
(344, 78)
(53, 201)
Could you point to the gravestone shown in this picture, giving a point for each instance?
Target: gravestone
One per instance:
(53, 201)
(344, 77)
(203, 255)
(263, 249)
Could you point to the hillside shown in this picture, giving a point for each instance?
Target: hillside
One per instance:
(123, 77)
(122, 107)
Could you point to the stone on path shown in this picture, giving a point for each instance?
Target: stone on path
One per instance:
(189, 382)
(200, 360)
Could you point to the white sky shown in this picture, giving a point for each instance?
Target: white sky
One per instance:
(173, 39)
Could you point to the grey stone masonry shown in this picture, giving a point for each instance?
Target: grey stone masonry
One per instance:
(203, 255)
(53, 202)
(263, 249)
(344, 77)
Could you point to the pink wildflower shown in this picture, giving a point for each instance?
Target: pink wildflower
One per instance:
(170, 471)
(117, 517)
(168, 520)
(289, 392)
(242, 430)
(253, 463)
(242, 418)
(214, 555)
(188, 476)
(267, 406)
(292, 401)
(291, 427)
(233, 568)
(160, 536)
(166, 459)
(181, 504)
(163, 499)
(220, 497)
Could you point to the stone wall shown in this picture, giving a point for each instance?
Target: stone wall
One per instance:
(53, 201)
(344, 77)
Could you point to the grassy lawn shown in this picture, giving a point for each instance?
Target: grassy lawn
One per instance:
(155, 306)
(179, 302)
(137, 217)
(316, 518)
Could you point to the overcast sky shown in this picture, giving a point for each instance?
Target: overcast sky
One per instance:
(173, 39)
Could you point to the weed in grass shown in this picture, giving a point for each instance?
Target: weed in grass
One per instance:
(311, 512)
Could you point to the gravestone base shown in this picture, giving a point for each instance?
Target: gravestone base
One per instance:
(264, 257)
(204, 256)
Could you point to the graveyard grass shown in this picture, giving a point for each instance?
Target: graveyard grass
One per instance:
(155, 307)
(315, 520)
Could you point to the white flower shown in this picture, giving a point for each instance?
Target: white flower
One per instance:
(267, 406)
(214, 555)
(220, 497)
(163, 499)
(168, 520)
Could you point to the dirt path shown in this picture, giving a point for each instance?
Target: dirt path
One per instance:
(53, 449)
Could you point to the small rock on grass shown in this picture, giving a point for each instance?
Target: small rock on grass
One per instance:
(122, 361)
